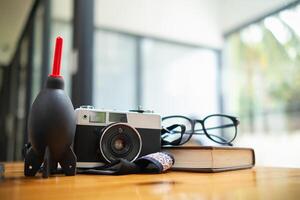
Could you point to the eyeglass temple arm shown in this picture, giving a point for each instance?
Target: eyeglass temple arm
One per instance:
(169, 130)
(219, 137)
(222, 126)
(217, 127)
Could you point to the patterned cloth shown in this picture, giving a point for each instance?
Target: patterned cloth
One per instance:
(162, 160)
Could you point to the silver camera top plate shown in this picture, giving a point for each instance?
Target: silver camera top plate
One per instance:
(100, 117)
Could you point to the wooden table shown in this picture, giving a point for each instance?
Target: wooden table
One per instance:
(257, 183)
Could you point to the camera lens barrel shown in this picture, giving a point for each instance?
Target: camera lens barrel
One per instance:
(120, 140)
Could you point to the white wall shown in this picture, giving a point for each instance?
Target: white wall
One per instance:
(191, 21)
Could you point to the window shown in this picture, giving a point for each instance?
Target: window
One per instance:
(263, 86)
(114, 71)
(179, 79)
(166, 77)
(37, 53)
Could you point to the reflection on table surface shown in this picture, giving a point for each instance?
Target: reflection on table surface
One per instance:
(256, 183)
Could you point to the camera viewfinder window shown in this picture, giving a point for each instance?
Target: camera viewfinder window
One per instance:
(98, 117)
(117, 117)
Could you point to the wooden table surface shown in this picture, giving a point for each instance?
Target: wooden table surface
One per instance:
(256, 183)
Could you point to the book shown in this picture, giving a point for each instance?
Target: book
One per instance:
(210, 158)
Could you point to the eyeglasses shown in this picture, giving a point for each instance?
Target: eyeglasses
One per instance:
(178, 130)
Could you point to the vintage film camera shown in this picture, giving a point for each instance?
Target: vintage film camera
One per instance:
(103, 136)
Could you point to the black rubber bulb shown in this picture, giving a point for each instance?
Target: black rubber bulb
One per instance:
(51, 126)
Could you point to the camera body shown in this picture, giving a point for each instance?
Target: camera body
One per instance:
(103, 136)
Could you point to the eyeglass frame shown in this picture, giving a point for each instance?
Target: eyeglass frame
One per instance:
(193, 122)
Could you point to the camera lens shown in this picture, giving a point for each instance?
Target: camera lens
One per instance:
(120, 140)
(120, 145)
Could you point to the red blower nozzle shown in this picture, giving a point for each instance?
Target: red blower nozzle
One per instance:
(57, 57)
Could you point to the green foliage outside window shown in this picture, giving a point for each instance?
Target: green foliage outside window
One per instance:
(263, 61)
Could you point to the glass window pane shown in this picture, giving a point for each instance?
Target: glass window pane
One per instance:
(263, 84)
(114, 71)
(178, 79)
(37, 53)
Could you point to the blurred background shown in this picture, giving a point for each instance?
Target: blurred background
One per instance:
(189, 57)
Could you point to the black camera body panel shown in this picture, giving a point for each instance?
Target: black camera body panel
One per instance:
(87, 141)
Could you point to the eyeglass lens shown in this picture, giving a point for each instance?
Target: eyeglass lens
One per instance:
(220, 129)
